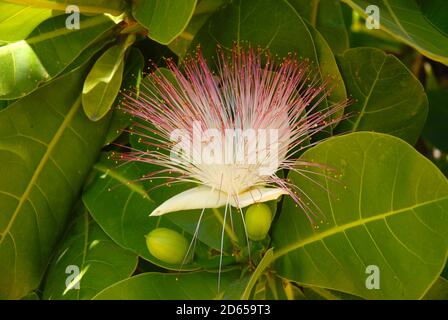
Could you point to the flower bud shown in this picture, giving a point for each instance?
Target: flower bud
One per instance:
(167, 245)
(258, 221)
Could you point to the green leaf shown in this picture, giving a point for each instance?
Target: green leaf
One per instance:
(114, 7)
(388, 97)
(286, 32)
(45, 53)
(315, 293)
(326, 16)
(168, 286)
(47, 147)
(242, 288)
(439, 290)
(5, 103)
(386, 206)
(100, 261)
(31, 296)
(435, 128)
(203, 11)
(104, 41)
(164, 19)
(277, 288)
(135, 63)
(17, 21)
(405, 20)
(104, 80)
(435, 11)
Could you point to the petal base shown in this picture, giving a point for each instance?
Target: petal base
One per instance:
(206, 197)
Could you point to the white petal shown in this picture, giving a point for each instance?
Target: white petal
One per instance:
(257, 195)
(195, 198)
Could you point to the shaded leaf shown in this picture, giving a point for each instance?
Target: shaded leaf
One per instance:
(242, 289)
(388, 97)
(99, 260)
(435, 11)
(31, 296)
(386, 206)
(438, 291)
(315, 293)
(436, 125)
(164, 19)
(168, 286)
(203, 11)
(326, 16)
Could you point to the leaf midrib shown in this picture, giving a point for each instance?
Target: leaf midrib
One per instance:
(88, 23)
(46, 157)
(341, 228)
(123, 180)
(367, 98)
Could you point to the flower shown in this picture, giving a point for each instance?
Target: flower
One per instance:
(232, 130)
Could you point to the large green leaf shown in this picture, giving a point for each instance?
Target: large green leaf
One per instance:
(386, 206)
(47, 147)
(49, 49)
(114, 7)
(388, 97)
(17, 21)
(100, 261)
(103, 82)
(326, 16)
(164, 19)
(168, 286)
(286, 32)
(405, 20)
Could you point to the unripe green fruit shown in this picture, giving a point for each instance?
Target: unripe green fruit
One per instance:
(167, 245)
(258, 221)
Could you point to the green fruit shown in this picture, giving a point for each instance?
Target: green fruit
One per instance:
(167, 245)
(258, 221)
